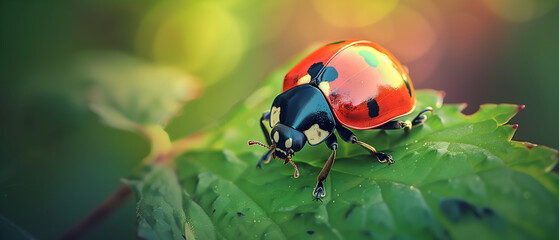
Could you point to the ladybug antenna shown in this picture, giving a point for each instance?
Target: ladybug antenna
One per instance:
(250, 143)
(296, 174)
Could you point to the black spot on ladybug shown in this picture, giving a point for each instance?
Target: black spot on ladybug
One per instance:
(407, 81)
(315, 69)
(330, 74)
(310, 232)
(240, 214)
(337, 42)
(372, 105)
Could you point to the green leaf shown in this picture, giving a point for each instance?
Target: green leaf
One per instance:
(160, 203)
(128, 92)
(457, 176)
(164, 210)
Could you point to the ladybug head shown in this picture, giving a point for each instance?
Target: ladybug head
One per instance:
(287, 141)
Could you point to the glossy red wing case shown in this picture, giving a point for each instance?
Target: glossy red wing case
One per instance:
(365, 85)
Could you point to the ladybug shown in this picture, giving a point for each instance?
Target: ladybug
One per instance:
(352, 84)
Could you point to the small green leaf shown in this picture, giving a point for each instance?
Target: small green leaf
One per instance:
(160, 203)
(198, 224)
(128, 93)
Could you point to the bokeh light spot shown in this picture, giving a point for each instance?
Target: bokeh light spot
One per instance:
(520, 10)
(354, 13)
(203, 38)
(415, 35)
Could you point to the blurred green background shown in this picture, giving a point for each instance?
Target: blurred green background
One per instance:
(58, 161)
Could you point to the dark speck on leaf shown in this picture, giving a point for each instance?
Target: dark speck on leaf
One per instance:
(349, 212)
(446, 234)
(487, 212)
(310, 232)
(213, 211)
(457, 210)
(240, 214)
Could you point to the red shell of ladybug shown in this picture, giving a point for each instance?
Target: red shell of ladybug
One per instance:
(365, 85)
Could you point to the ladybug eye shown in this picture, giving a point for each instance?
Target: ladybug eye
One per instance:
(276, 137)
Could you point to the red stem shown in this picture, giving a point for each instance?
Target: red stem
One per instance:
(100, 213)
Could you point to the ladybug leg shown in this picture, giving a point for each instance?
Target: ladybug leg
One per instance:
(265, 117)
(407, 125)
(420, 119)
(349, 137)
(381, 157)
(319, 192)
(265, 158)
